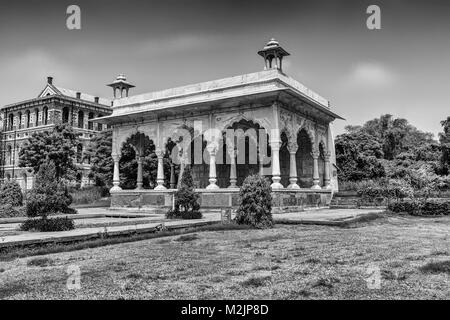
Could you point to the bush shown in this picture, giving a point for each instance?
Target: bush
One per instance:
(88, 195)
(11, 193)
(8, 211)
(48, 225)
(255, 203)
(186, 200)
(49, 195)
(430, 207)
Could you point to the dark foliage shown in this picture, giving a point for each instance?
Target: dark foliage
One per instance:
(48, 224)
(49, 195)
(429, 207)
(186, 200)
(11, 194)
(58, 146)
(255, 203)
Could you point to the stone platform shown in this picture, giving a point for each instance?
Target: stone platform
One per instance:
(284, 200)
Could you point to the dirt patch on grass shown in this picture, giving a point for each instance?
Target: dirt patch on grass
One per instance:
(436, 267)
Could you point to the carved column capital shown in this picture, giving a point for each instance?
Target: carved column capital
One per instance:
(292, 147)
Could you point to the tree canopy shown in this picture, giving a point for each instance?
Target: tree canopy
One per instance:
(58, 145)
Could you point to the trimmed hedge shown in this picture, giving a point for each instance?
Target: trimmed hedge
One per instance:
(48, 225)
(430, 207)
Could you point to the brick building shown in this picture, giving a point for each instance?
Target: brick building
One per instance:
(53, 105)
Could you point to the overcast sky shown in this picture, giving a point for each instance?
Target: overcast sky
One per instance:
(402, 69)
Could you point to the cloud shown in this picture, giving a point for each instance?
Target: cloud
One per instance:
(369, 75)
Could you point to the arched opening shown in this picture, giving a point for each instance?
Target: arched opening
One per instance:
(250, 141)
(19, 121)
(28, 119)
(11, 122)
(195, 158)
(9, 154)
(129, 166)
(65, 115)
(305, 164)
(321, 162)
(90, 123)
(45, 116)
(24, 182)
(99, 125)
(80, 119)
(8, 177)
(284, 160)
(36, 117)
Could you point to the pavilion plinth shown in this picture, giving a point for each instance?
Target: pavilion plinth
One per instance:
(284, 200)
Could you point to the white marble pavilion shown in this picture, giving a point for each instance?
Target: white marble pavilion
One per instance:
(263, 122)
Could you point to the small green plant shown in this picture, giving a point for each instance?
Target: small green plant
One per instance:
(186, 200)
(255, 203)
(11, 194)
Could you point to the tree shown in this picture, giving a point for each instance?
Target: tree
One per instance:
(444, 139)
(49, 194)
(98, 154)
(255, 207)
(358, 156)
(186, 200)
(58, 146)
(11, 194)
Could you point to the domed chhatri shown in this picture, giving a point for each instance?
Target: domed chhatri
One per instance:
(122, 85)
(272, 43)
(273, 55)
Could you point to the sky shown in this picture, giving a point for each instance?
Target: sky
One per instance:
(402, 69)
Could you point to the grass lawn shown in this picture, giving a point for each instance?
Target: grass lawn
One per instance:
(287, 262)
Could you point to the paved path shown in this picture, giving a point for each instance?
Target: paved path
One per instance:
(148, 223)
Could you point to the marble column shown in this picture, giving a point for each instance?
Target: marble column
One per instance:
(233, 172)
(116, 175)
(315, 155)
(276, 174)
(261, 163)
(160, 176)
(292, 148)
(327, 178)
(140, 179)
(212, 150)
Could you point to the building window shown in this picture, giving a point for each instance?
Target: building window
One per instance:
(45, 116)
(65, 115)
(90, 123)
(81, 119)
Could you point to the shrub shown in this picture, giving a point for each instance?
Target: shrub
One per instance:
(11, 193)
(49, 195)
(429, 207)
(8, 211)
(48, 225)
(88, 195)
(186, 200)
(255, 203)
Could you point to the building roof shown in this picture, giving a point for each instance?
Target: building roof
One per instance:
(51, 89)
(267, 81)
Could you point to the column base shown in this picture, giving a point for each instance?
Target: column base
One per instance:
(212, 186)
(115, 188)
(160, 187)
(328, 187)
(139, 187)
(276, 185)
(316, 187)
(293, 186)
